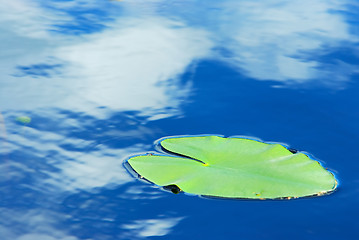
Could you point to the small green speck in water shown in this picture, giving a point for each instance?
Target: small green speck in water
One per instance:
(23, 119)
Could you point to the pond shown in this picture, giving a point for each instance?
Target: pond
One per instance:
(86, 84)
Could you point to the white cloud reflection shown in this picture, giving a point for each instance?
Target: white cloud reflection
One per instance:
(29, 18)
(66, 163)
(33, 224)
(273, 39)
(89, 171)
(134, 64)
(151, 227)
(44, 224)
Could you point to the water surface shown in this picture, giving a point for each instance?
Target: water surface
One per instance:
(102, 80)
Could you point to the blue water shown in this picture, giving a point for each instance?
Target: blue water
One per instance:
(102, 80)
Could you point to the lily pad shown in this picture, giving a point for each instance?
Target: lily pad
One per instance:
(233, 168)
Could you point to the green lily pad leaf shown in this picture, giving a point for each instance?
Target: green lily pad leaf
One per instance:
(233, 168)
(23, 119)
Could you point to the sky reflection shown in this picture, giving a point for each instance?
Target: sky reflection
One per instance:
(39, 224)
(273, 40)
(278, 40)
(150, 227)
(59, 160)
(102, 79)
(135, 63)
(58, 176)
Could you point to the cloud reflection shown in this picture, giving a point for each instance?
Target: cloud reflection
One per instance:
(151, 227)
(277, 40)
(89, 171)
(72, 153)
(134, 64)
(39, 224)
